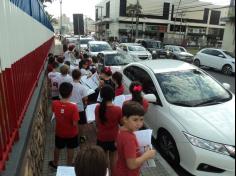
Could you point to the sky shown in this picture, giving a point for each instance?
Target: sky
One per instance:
(87, 7)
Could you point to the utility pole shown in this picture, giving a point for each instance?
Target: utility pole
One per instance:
(60, 18)
(137, 19)
(132, 27)
(100, 26)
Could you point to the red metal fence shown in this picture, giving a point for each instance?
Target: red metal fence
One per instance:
(17, 85)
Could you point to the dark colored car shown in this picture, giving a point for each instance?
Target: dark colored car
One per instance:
(153, 46)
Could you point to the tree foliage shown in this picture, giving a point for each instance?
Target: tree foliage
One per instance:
(134, 9)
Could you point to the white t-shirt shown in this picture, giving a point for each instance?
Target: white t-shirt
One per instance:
(55, 81)
(85, 72)
(78, 93)
(66, 78)
(69, 56)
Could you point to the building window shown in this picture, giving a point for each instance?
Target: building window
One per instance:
(108, 9)
(96, 14)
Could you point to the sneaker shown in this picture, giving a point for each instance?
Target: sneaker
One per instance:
(51, 164)
(82, 139)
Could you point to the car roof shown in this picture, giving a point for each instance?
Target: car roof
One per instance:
(108, 52)
(131, 44)
(165, 65)
(215, 49)
(97, 42)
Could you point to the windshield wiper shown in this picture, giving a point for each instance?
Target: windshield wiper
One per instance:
(181, 104)
(213, 101)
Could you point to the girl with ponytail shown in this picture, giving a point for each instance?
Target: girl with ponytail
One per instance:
(108, 117)
(136, 91)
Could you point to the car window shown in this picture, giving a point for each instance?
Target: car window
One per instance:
(100, 47)
(217, 53)
(136, 48)
(191, 88)
(138, 74)
(207, 51)
(119, 59)
(182, 49)
(229, 54)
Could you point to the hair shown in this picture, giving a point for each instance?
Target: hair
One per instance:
(82, 62)
(91, 161)
(132, 108)
(107, 71)
(71, 47)
(64, 69)
(117, 76)
(67, 63)
(86, 56)
(51, 59)
(136, 95)
(55, 65)
(107, 94)
(65, 89)
(76, 74)
(50, 55)
(95, 59)
(60, 59)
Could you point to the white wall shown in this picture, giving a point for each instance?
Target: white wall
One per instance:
(229, 37)
(19, 33)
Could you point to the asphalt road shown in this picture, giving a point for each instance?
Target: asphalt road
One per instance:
(222, 79)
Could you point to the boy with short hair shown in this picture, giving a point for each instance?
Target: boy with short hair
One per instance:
(129, 157)
(67, 117)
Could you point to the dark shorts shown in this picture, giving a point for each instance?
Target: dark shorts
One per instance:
(69, 143)
(107, 146)
(83, 119)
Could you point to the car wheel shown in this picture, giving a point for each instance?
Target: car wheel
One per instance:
(197, 63)
(167, 146)
(227, 70)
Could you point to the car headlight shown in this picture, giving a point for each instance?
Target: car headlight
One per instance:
(154, 52)
(212, 146)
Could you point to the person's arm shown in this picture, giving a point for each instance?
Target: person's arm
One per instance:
(135, 163)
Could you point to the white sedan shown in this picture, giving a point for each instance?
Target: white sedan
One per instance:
(216, 58)
(193, 117)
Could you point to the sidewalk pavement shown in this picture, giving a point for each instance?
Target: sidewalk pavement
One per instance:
(162, 169)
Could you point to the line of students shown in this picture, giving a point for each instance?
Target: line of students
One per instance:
(109, 118)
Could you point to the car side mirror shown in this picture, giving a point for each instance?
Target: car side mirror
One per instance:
(226, 86)
(151, 98)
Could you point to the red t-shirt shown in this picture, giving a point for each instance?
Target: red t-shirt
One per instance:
(120, 90)
(127, 147)
(107, 132)
(65, 114)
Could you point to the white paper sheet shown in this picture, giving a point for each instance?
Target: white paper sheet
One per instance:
(53, 118)
(119, 100)
(95, 78)
(90, 112)
(89, 82)
(65, 171)
(89, 91)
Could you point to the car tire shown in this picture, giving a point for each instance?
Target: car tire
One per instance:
(167, 147)
(197, 62)
(227, 70)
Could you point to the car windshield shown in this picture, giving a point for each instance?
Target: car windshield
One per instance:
(84, 41)
(72, 40)
(153, 44)
(136, 48)
(100, 47)
(119, 59)
(191, 88)
(229, 54)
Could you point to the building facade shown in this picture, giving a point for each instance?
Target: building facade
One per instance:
(229, 34)
(197, 23)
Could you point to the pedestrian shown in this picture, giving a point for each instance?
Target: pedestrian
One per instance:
(65, 77)
(130, 158)
(106, 77)
(91, 161)
(54, 81)
(136, 91)
(69, 54)
(117, 79)
(67, 117)
(80, 97)
(108, 118)
(84, 68)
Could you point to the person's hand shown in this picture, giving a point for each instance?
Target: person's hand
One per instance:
(150, 153)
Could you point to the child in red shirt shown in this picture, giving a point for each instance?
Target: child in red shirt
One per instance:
(67, 117)
(108, 117)
(129, 158)
(136, 91)
(117, 80)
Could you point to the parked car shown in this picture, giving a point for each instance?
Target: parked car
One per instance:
(216, 58)
(179, 53)
(193, 116)
(153, 46)
(116, 60)
(135, 50)
(95, 47)
(83, 43)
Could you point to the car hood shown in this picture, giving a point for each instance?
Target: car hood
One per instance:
(215, 123)
(185, 54)
(138, 53)
(96, 53)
